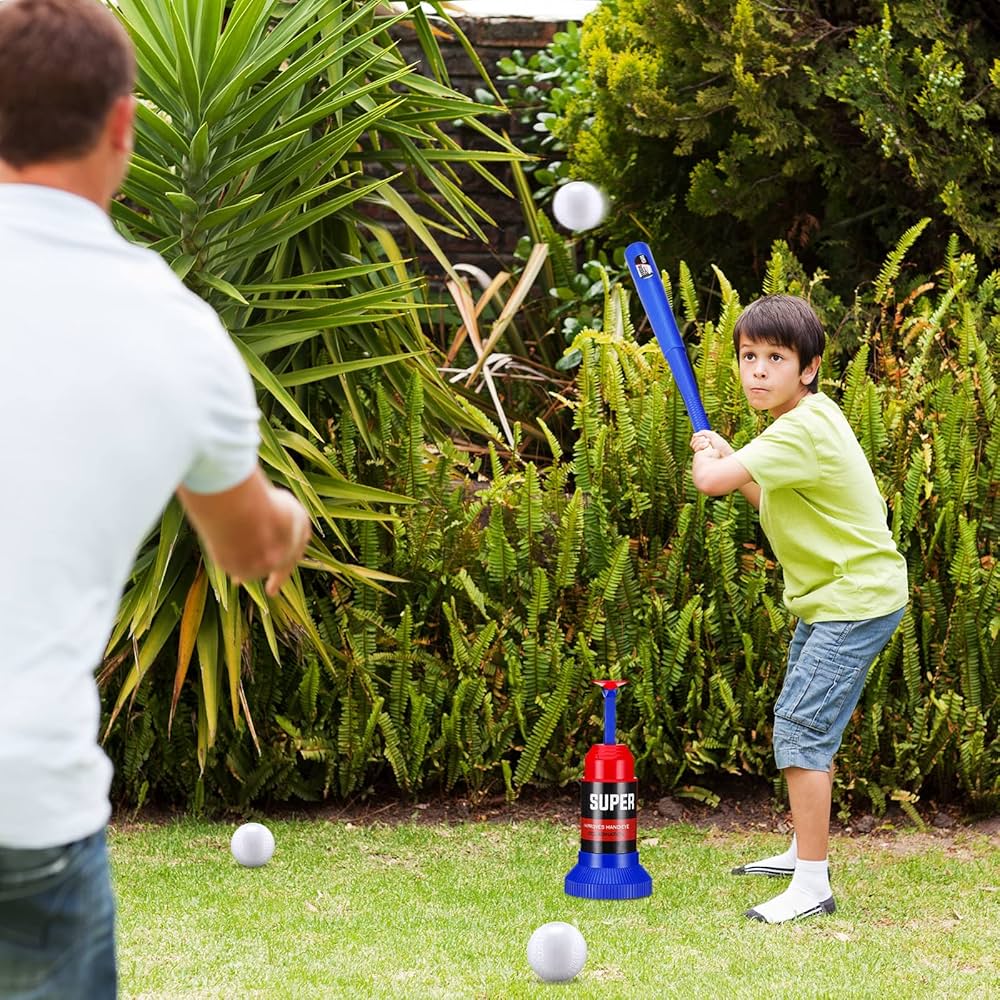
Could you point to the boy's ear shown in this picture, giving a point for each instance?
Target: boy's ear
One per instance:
(809, 373)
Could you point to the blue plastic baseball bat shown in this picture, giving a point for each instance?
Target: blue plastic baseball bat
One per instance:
(653, 296)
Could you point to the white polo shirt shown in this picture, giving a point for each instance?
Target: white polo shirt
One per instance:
(116, 385)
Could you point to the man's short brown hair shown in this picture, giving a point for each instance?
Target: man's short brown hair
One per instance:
(63, 63)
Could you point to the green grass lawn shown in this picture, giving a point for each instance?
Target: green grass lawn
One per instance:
(421, 910)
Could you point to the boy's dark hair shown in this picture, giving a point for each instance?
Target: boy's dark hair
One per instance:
(63, 63)
(785, 321)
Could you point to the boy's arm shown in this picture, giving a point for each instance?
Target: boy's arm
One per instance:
(715, 472)
(752, 493)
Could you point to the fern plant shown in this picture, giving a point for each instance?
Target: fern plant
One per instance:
(522, 579)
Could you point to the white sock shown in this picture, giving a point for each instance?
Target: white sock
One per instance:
(808, 894)
(813, 877)
(776, 866)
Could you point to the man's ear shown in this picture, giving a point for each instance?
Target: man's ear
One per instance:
(121, 119)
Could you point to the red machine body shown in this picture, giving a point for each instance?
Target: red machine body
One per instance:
(608, 862)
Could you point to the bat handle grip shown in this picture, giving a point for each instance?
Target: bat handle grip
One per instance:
(680, 365)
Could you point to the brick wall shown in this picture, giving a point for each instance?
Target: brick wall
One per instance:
(492, 39)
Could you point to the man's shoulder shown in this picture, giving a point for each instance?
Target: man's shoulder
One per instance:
(154, 270)
(168, 298)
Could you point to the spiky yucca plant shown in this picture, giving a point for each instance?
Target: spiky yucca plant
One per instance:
(271, 136)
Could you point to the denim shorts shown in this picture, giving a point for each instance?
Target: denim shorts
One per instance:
(828, 664)
(57, 923)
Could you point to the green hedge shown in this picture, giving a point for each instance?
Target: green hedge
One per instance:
(525, 579)
(721, 125)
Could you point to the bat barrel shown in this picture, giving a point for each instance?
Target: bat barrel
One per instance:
(653, 297)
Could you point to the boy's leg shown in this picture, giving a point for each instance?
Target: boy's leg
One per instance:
(809, 893)
(809, 794)
(822, 687)
(783, 864)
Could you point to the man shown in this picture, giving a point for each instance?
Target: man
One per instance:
(120, 387)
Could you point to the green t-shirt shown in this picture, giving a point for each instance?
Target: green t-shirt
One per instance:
(824, 516)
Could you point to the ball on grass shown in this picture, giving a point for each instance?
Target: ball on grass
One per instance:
(557, 951)
(579, 205)
(252, 845)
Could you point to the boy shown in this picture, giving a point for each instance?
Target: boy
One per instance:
(844, 579)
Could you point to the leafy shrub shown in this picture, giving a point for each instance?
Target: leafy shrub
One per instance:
(541, 87)
(721, 125)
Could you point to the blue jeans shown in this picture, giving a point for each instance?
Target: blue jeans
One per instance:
(57, 923)
(827, 667)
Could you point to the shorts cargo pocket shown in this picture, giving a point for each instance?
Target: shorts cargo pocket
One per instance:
(817, 685)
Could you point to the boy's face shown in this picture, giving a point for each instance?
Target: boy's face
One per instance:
(771, 377)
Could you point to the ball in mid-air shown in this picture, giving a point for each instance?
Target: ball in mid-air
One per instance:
(579, 205)
(557, 951)
(252, 845)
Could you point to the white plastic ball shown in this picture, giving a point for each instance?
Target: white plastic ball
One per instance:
(252, 845)
(579, 205)
(557, 951)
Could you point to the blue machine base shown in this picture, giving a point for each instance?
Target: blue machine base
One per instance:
(608, 876)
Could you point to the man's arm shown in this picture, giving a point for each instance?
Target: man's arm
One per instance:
(715, 472)
(251, 530)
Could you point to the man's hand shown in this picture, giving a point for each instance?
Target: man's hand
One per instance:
(252, 531)
(300, 531)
